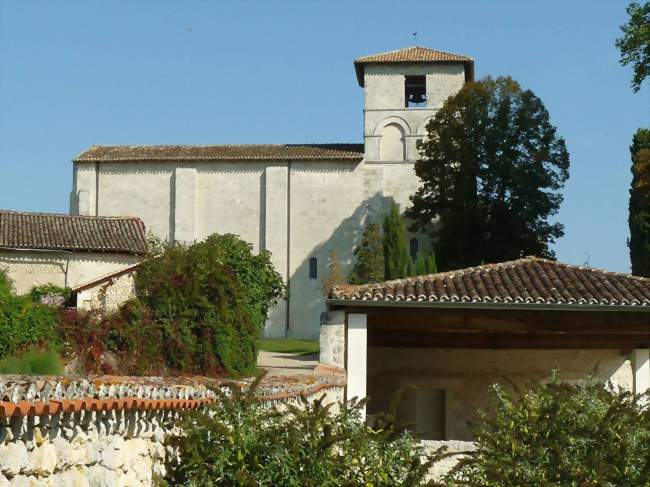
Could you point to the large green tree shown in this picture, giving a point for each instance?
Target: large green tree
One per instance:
(369, 254)
(398, 263)
(639, 217)
(634, 44)
(491, 169)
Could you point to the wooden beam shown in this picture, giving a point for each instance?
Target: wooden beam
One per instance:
(487, 340)
(419, 320)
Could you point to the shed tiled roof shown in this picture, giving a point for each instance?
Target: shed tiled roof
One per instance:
(50, 231)
(257, 152)
(529, 280)
(414, 54)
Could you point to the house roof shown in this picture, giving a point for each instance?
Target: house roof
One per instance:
(414, 54)
(50, 231)
(529, 280)
(258, 152)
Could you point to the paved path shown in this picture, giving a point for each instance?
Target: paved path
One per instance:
(277, 363)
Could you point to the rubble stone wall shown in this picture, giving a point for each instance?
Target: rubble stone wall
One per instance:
(57, 431)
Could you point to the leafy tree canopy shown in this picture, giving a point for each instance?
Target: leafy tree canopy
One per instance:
(634, 44)
(491, 170)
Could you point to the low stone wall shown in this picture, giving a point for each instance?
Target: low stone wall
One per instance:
(108, 431)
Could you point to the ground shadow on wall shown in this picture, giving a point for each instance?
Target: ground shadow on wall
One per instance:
(307, 301)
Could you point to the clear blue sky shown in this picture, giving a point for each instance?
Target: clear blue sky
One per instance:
(76, 73)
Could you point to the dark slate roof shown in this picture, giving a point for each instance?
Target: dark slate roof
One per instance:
(50, 231)
(414, 54)
(266, 152)
(529, 280)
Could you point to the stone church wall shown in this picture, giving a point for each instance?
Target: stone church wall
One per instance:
(296, 210)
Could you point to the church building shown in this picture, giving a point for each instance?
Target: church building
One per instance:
(298, 201)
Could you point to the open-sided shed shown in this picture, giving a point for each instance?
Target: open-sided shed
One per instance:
(452, 334)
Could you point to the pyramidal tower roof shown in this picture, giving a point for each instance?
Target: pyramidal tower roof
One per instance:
(413, 54)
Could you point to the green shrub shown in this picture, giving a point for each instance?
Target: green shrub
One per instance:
(37, 293)
(24, 323)
(206, 303)
(560, 435)
(33, 362)
(240, 441)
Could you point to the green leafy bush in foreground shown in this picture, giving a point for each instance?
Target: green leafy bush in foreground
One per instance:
(560, 435)
(207, 302)
(23, 322)
(240, 441)
(33, 362)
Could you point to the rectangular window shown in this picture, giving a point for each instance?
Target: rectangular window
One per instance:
(313, 268)
(415, 91)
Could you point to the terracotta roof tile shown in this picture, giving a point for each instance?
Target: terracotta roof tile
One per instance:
(50, 231)
(265, 152)
(530, 280)
(414, 54)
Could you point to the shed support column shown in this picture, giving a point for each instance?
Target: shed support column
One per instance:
(641, 370)
(357, 357)
(332, 339)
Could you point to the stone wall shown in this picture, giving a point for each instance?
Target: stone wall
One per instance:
(109, 431)
(65, 269)
(107, 295)
(466, 375)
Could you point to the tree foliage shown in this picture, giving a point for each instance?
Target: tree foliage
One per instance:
(24, 323)
(634, 44)
(560, 435)
(334, 275)
(639, 208)
(398, 262)
(240, 441)
(207, 302)
(426, 263)
(491, 168)
(369, 265)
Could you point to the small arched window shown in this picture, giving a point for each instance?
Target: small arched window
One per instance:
(313, 268)
(413, 247)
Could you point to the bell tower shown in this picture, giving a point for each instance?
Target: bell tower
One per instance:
(403, 89)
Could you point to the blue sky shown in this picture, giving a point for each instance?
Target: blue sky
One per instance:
(77, 73)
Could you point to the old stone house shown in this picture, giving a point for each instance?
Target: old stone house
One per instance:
(455, 333)
(92, 255)
(297, 201)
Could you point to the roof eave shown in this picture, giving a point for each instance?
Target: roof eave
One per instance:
(360, 69)
(354, 303)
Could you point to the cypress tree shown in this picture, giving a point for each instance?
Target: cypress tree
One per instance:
(426, 264)
(369, 265)
(639, 209)
(396, 254)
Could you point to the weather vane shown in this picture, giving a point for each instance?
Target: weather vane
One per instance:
(415, 37)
